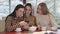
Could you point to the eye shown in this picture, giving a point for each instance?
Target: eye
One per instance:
(20, 11)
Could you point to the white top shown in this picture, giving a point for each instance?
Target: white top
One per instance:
(45, 20)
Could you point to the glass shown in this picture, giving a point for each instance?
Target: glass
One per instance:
(14, 3)
(26, 20)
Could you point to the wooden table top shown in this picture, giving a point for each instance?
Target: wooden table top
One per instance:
(58, 32)
(14, 33)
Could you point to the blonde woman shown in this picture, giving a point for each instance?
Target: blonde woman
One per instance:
(44, 18)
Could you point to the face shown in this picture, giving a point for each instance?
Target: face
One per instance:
(39, 10)
(20, 11)
(28, 9)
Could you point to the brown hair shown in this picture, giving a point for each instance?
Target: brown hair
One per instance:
(28, 4)
(44, 8)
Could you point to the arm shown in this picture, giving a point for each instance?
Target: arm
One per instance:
(35, 21)
(52, 21)
(10, 27)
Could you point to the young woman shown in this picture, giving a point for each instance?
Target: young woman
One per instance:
(28, 15)
(14, 19)
(44, 18)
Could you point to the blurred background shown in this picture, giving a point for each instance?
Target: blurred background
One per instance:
(7, 7)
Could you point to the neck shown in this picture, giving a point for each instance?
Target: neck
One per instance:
(27, 15)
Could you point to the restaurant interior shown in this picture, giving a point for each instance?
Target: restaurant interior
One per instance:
(7, 7)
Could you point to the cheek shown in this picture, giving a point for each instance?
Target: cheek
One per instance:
(28, 11)
(21, 12)
(39, 11)
(18, 12)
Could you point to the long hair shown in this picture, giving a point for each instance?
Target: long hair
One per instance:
(44, 8)
(13, 14)
(28, 4)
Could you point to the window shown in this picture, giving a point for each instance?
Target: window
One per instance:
(7, 6)
(14, 3)
(4, 8)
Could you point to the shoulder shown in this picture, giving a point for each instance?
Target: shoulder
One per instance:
(37, 14)
(33, 16)
(51, 15)
(9, 17)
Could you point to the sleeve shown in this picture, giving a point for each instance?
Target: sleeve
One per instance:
(10, 27)
(35, 21)
(53, 22)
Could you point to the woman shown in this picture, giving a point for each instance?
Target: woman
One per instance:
(44, 18)
(28, 15)
(14, 19)
(28, 18)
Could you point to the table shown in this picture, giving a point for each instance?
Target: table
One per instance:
(14, 33)
(58, 32)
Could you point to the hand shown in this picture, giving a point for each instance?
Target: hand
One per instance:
(54, 28)
(22, 23)
(25, 27)
(39, 27)
(48, 28)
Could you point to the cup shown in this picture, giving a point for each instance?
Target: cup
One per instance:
(32, 29)
(54, 28)
(43, 28)
(18, 30)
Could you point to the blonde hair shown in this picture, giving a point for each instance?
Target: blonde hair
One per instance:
(44, 8)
